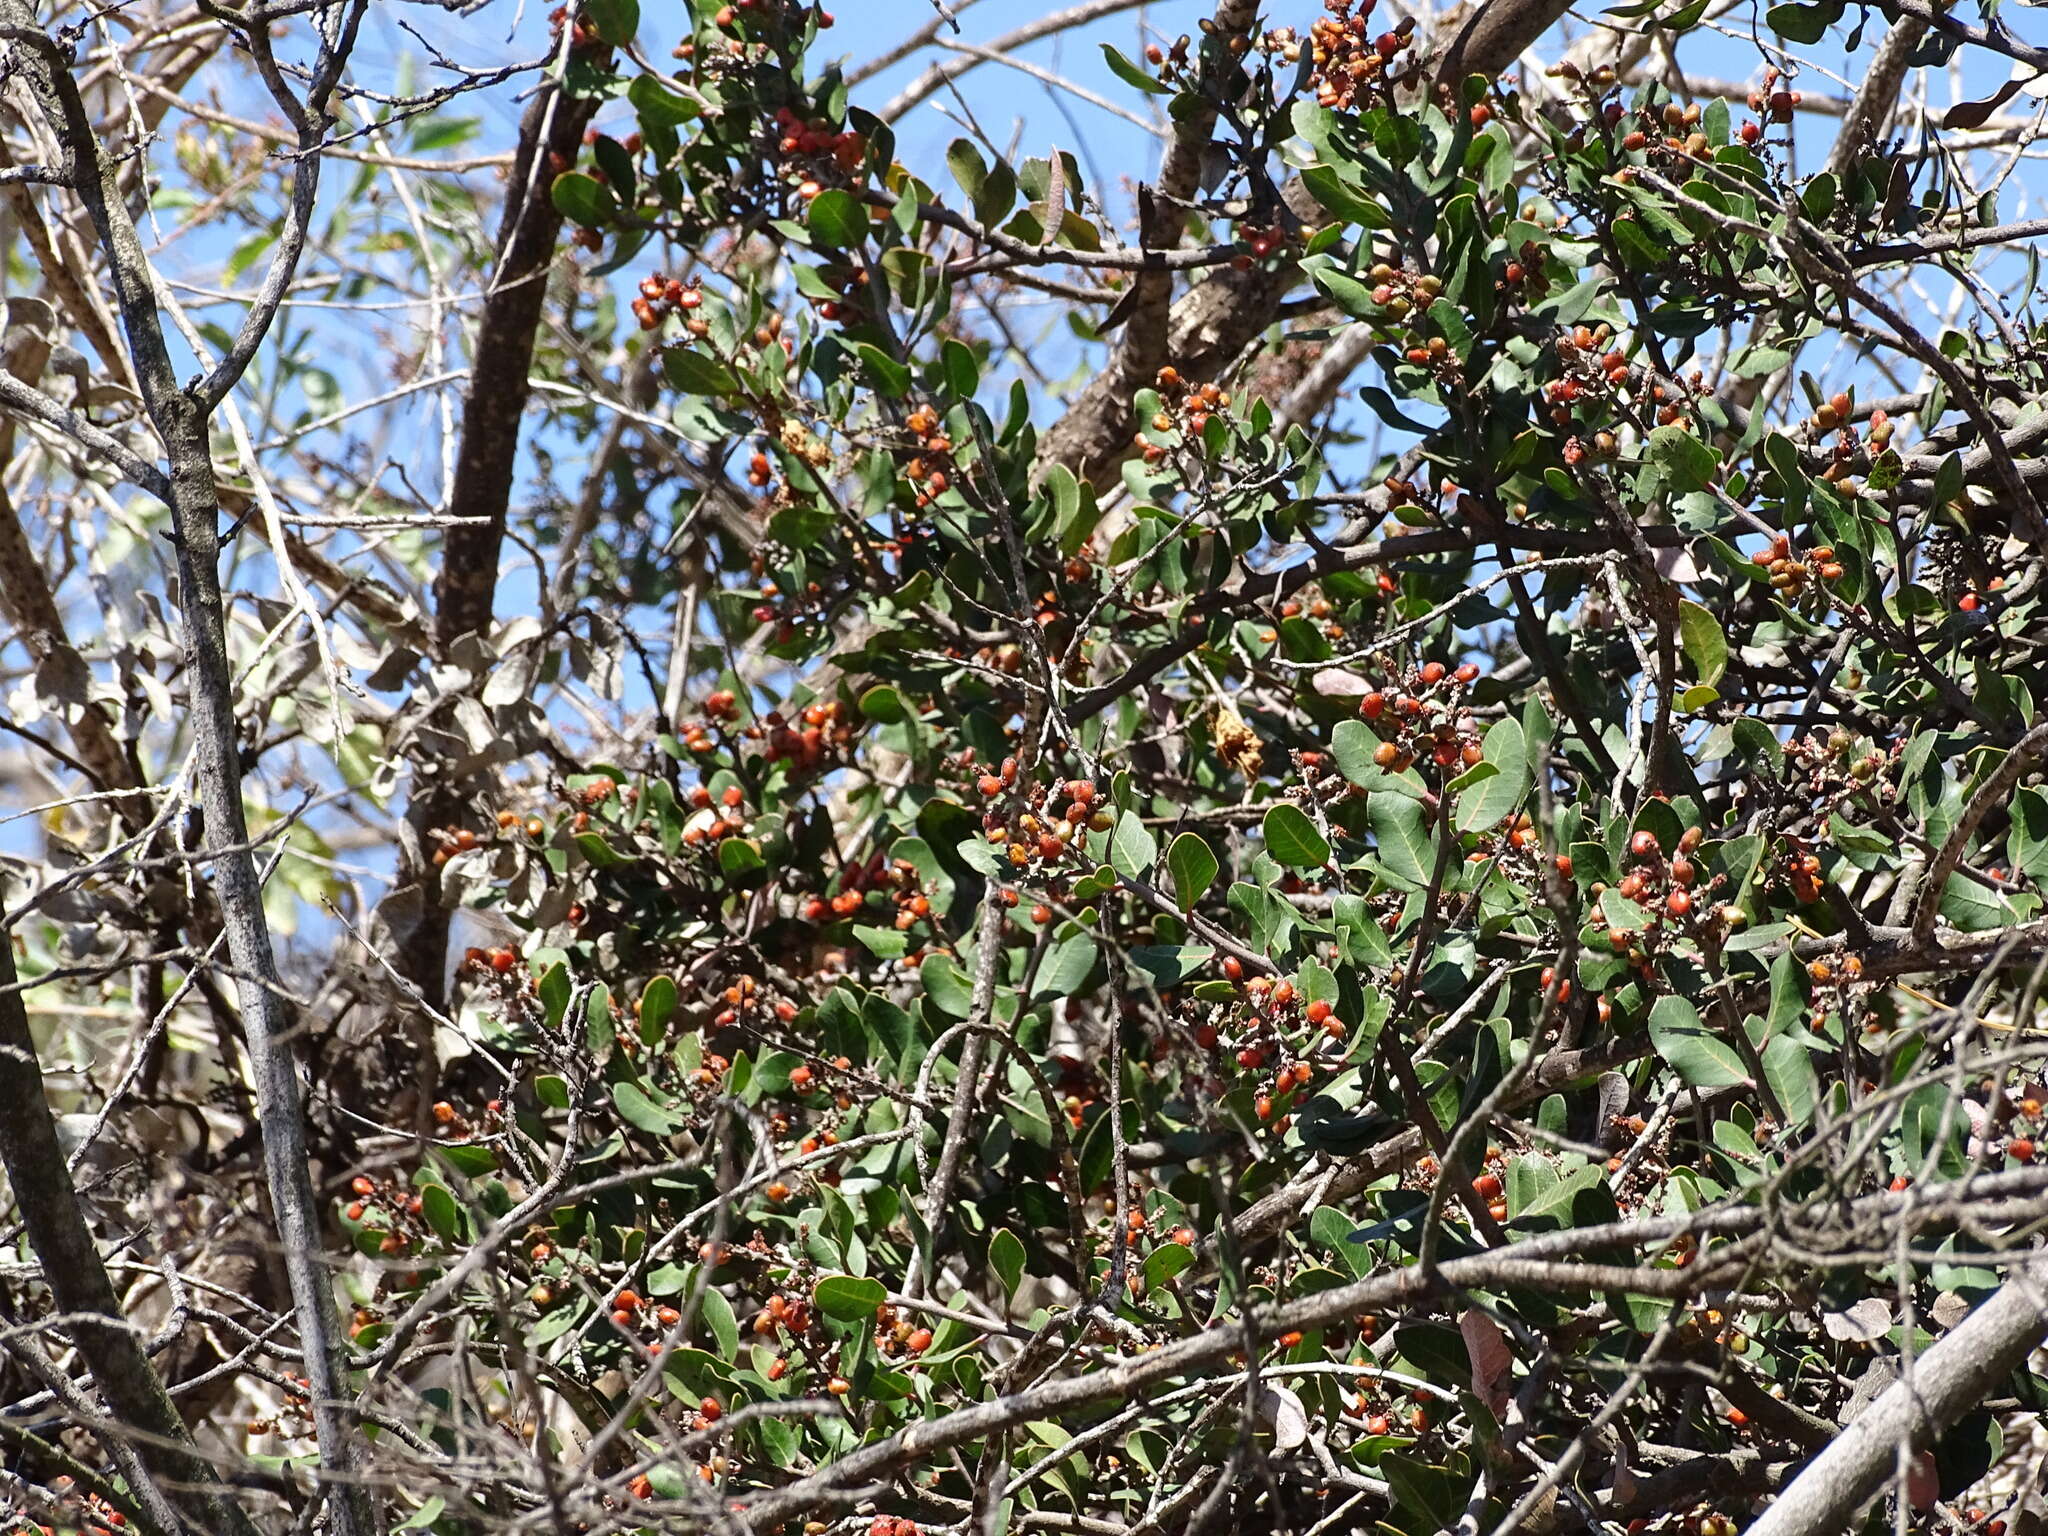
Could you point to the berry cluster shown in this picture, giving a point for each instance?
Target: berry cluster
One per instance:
(1275, 1024)
(1668, 887)
(1385, 1416)
(1774, 100)
(817, 140)
(1032, 826)
(661, 297)
(1790, 571)
(1699, 1521)
(1591, 367)
(896, 1336)
(87, 1513)
(1667, 134)
(1801, 869)
(1839, 766)
(930, 470)
(1260, 240)
(1185, 407)
(1488, 1187)
(641, 1323)
(826, 728)
(710, 826)
(745, 1002)
(1423, 717)
(386, 1206)
(1400, 291)
(1833, 416)
(850, 280)
(583, 36)
(728, 16)
(1347, 66)
(1523, 274)
(498, 963)
(856, 883)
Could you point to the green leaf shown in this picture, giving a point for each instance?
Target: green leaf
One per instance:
(716, 1312)
(600, 853)
(837, 218)
(1543, 1192)
(615, 20)
(1699, 633)
(441, 1212)
(1066, 966)
(1689, 1048)
(583, 199)
(695, 374)
(1435, 1494)
(1132, 849)
(1402, 836)
(1496, 796)
(657, 1002)
(1133, 76)
(884, 705)
(1006, 1258)
(1293, 839)
(1803, 23)
(1333, 1229)
(1171, 964)
(1164, 1262)
(890, 376)
(949, 988)
(1687, 463)
(1788, 1068)
(424, 1517)
(882, 943)
(849, 1298)
(1347, 292)
(1755, 741)
(1193, 866)
(740, 856)
(2027, 843)
(1345, 201)
(963, 373)
(555, 988)
(658, 106)
(641, 1112)
(1353, 744)
(1975, 908)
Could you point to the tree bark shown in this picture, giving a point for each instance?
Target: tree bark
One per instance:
(1486, 38)
(417, 915)
(48, 1202)
(1952, 1377)
(181, 421)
